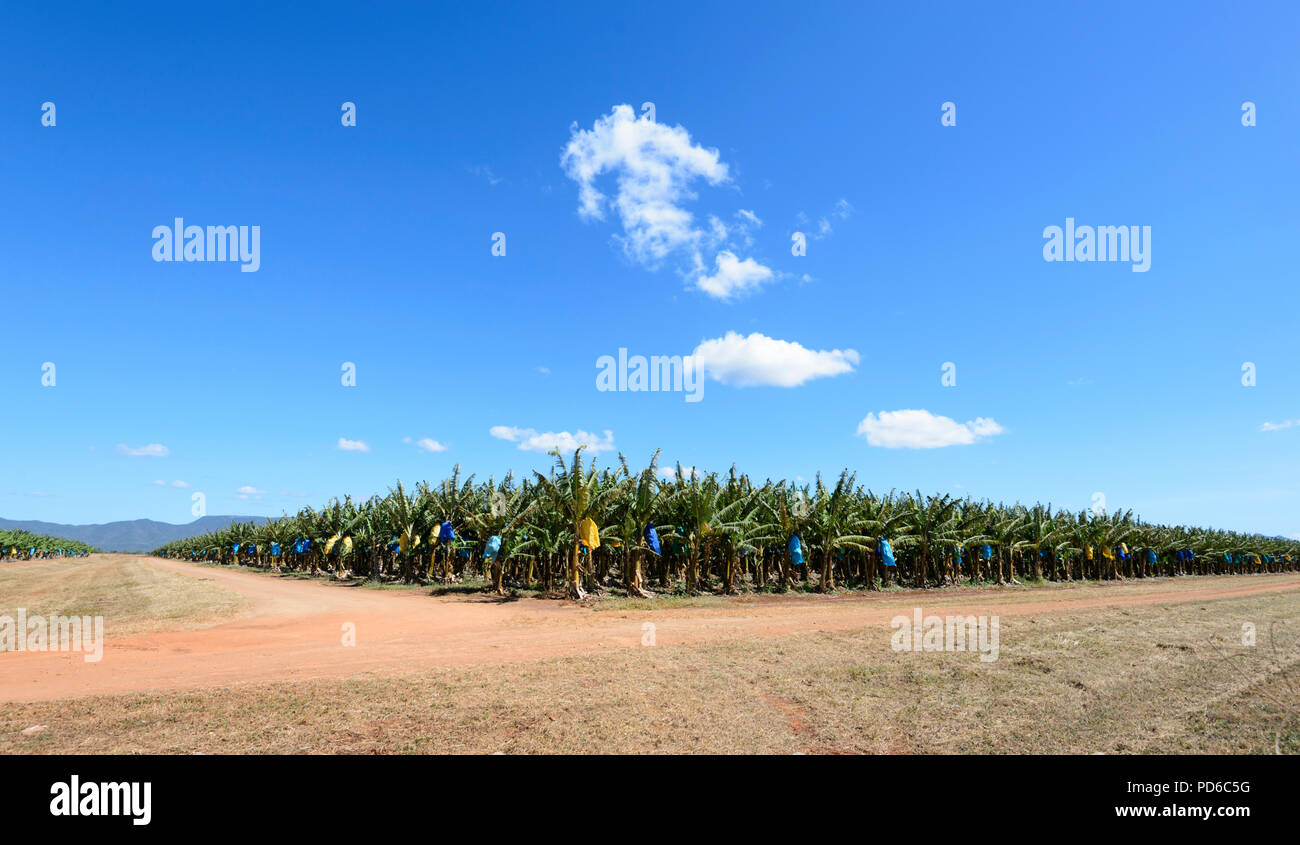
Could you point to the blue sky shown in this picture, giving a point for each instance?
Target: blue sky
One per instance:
(376, 247)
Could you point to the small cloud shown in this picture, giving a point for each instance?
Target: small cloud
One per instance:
(920, 429)
(426, 444)
(750, 217)
(825, 228)
(732, 276)
(153, 450)
(249, 491)
(759, 360)
(546, 371)
(159, 482)
(485, 172)
(1075, 382)
(1272, 426)
(530, 440)
(346, 445)
(671, 472)
(179, 483)
(37, 494)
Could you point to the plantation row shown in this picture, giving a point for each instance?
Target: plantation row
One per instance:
(580, 529)
(24, 545)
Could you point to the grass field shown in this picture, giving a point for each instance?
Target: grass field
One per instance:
(133, 598)
(1149, 678)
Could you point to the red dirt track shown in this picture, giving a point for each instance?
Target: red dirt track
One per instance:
(295, 629)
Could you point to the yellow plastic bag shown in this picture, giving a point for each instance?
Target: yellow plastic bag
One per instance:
(589, 534)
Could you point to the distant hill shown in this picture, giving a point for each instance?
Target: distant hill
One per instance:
(136, 535)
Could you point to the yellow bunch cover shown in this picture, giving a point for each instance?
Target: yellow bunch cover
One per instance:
(589, 534)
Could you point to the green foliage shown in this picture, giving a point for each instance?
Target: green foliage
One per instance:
(24, 545)
(718, 534)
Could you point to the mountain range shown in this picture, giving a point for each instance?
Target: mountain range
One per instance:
(135, 535)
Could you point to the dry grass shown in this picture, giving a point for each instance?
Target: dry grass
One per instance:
(132, 597)
(1149, 679)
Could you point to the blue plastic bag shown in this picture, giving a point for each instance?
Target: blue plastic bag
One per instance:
(652, 539)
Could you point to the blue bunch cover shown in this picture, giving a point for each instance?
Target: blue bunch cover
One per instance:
(652, 539)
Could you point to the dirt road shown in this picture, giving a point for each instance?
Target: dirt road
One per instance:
(295, 629)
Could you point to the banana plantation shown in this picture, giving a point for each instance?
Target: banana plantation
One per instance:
(23, 545)
(579, 530)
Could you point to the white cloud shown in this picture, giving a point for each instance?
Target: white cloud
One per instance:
(913, 429)
(160, 482)
(671, 472)
(485, 172)
(248, 491)
(654, 166)
(352, 445)
(427, 444)
(759, 360)
(530, 440)
(1272, 426)
(179, 483)
(733, 276)
(843, 208)
(153, 450)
